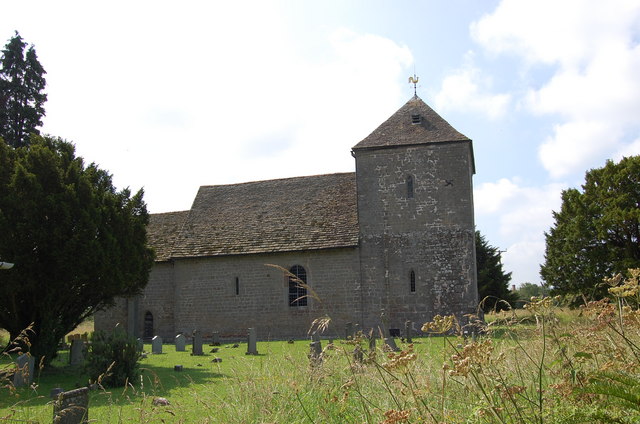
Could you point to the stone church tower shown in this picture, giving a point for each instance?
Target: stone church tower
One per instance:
(415, 216)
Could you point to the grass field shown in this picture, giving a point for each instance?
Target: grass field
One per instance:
(541, 365)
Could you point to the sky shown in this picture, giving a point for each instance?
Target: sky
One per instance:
(169, 96)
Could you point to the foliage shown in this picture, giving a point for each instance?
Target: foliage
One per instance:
(76, 242)
(22, 94)
(493, 282)
(528, 290)
(113, 358)
(596, 232)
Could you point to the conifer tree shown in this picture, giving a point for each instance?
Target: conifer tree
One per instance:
(22, 94)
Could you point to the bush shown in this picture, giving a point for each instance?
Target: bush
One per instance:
(113, 358)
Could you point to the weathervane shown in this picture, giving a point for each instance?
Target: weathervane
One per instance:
(414, 80)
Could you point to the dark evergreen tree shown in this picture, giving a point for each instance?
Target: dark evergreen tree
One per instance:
(493, 282)
(76, 242)
(22, 94)
(596, 232)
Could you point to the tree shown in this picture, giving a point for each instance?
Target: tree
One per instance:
(493, 282)
(76, 242)
(596, 233)
(22, 94)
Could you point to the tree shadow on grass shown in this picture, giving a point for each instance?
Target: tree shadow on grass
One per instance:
(153, 381)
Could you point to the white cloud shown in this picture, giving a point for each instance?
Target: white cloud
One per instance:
(523, 214)
(467, 90)
(593, 49)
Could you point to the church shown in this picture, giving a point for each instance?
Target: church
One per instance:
(395, 238)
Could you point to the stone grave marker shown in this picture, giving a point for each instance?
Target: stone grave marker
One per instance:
(24, 374)
(156, 345)
(408, 331)
(76, 355)
(140, 345)
(315, 353)
(215, 338)
(391, 343)
(72, 407)
(252, 339)
(196, 348)
(181, 341)
(315, 337)
(348, 331)
(358, 355)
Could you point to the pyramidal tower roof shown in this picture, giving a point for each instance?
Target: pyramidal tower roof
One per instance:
(414, 123)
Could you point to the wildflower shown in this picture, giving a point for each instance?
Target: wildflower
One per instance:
(392, 416)
(400, 359)
(439, 324)
(472, 357)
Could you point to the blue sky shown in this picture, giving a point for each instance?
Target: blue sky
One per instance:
(170, 96)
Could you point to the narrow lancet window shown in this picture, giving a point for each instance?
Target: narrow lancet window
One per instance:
(298, 286)
(409, 186)
(412, 281)
(237, 286)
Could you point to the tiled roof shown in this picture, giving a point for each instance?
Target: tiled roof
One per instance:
(399, 130)
(289, 214)
(162, 231)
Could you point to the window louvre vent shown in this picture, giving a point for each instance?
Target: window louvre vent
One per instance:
(415, 118)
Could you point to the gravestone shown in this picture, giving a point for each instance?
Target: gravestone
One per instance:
(215, 338)
(24, 374)
(252, 340)
(391, 343)
(140, 345)
(196, 348)
(315, 353)
(76, 357)
(315, 337)
(72, 407)
(408, 331)
(53, 394)
(181, 341)
(348, 331)
(156, 345)
(394, 332)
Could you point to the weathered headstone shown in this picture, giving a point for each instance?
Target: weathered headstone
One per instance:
(181, 341)
(394, 332)
(348, 331)
(177, 367)
(408, 331)
(252, 339)
(315, 337)
(215, 338)
(140, 345)
(76, 357)
(315, 353)
(156, 345)
(391, 343)
(53, 394)
(24, 373)
(196, 348)
(72, 407)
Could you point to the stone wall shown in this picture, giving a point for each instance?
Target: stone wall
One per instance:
(430, 232)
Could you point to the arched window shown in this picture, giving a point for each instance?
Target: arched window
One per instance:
(412, 281)
(148, 325)
(297, 286)
(409, 186)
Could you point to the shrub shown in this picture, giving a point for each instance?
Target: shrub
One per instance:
(113, 358)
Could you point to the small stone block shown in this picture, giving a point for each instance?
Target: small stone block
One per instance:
(177, 367)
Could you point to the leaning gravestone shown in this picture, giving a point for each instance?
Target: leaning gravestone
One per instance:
(252, 339)
(24, 374)
(181, 341)
(72, 407)
(156, 345)
(407, 331)
(196, 348)
(76, 357)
